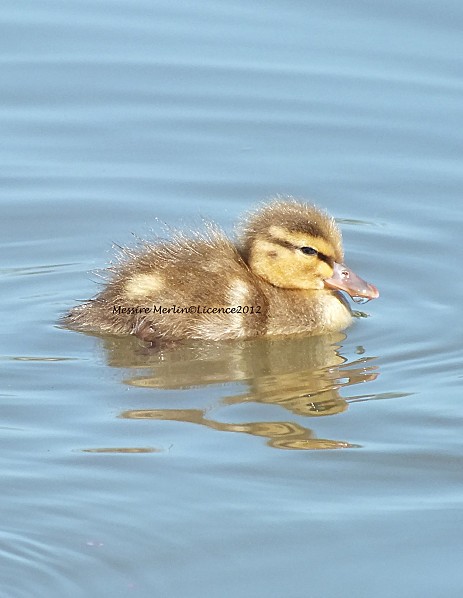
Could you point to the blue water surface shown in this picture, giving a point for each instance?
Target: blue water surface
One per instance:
(326, 466)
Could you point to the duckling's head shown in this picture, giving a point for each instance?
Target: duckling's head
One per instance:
(294, 245)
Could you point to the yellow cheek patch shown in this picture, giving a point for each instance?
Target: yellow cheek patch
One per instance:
(143, 286)
(325, 270)
(271, 248)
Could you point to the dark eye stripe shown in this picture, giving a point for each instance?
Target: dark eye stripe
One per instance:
(321, 256)
(325, 258)
(281, 242)
(284, 243)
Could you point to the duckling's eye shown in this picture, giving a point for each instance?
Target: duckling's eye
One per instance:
(309, 250)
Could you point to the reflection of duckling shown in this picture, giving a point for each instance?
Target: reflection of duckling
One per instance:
(284, 277)
(282, 435)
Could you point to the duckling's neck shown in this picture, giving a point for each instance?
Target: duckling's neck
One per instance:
(335, 310)
(315, 311)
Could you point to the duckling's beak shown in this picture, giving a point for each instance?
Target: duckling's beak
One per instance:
(346, 280)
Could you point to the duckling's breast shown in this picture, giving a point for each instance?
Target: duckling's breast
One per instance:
(336, 313)
(315, 312)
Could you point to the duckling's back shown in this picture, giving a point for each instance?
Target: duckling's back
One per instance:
(183, 288)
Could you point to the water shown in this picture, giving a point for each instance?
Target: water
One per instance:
(204, 471)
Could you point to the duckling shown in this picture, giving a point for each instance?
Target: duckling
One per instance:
(283, 276)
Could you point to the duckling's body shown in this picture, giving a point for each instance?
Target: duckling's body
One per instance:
(275, 281)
